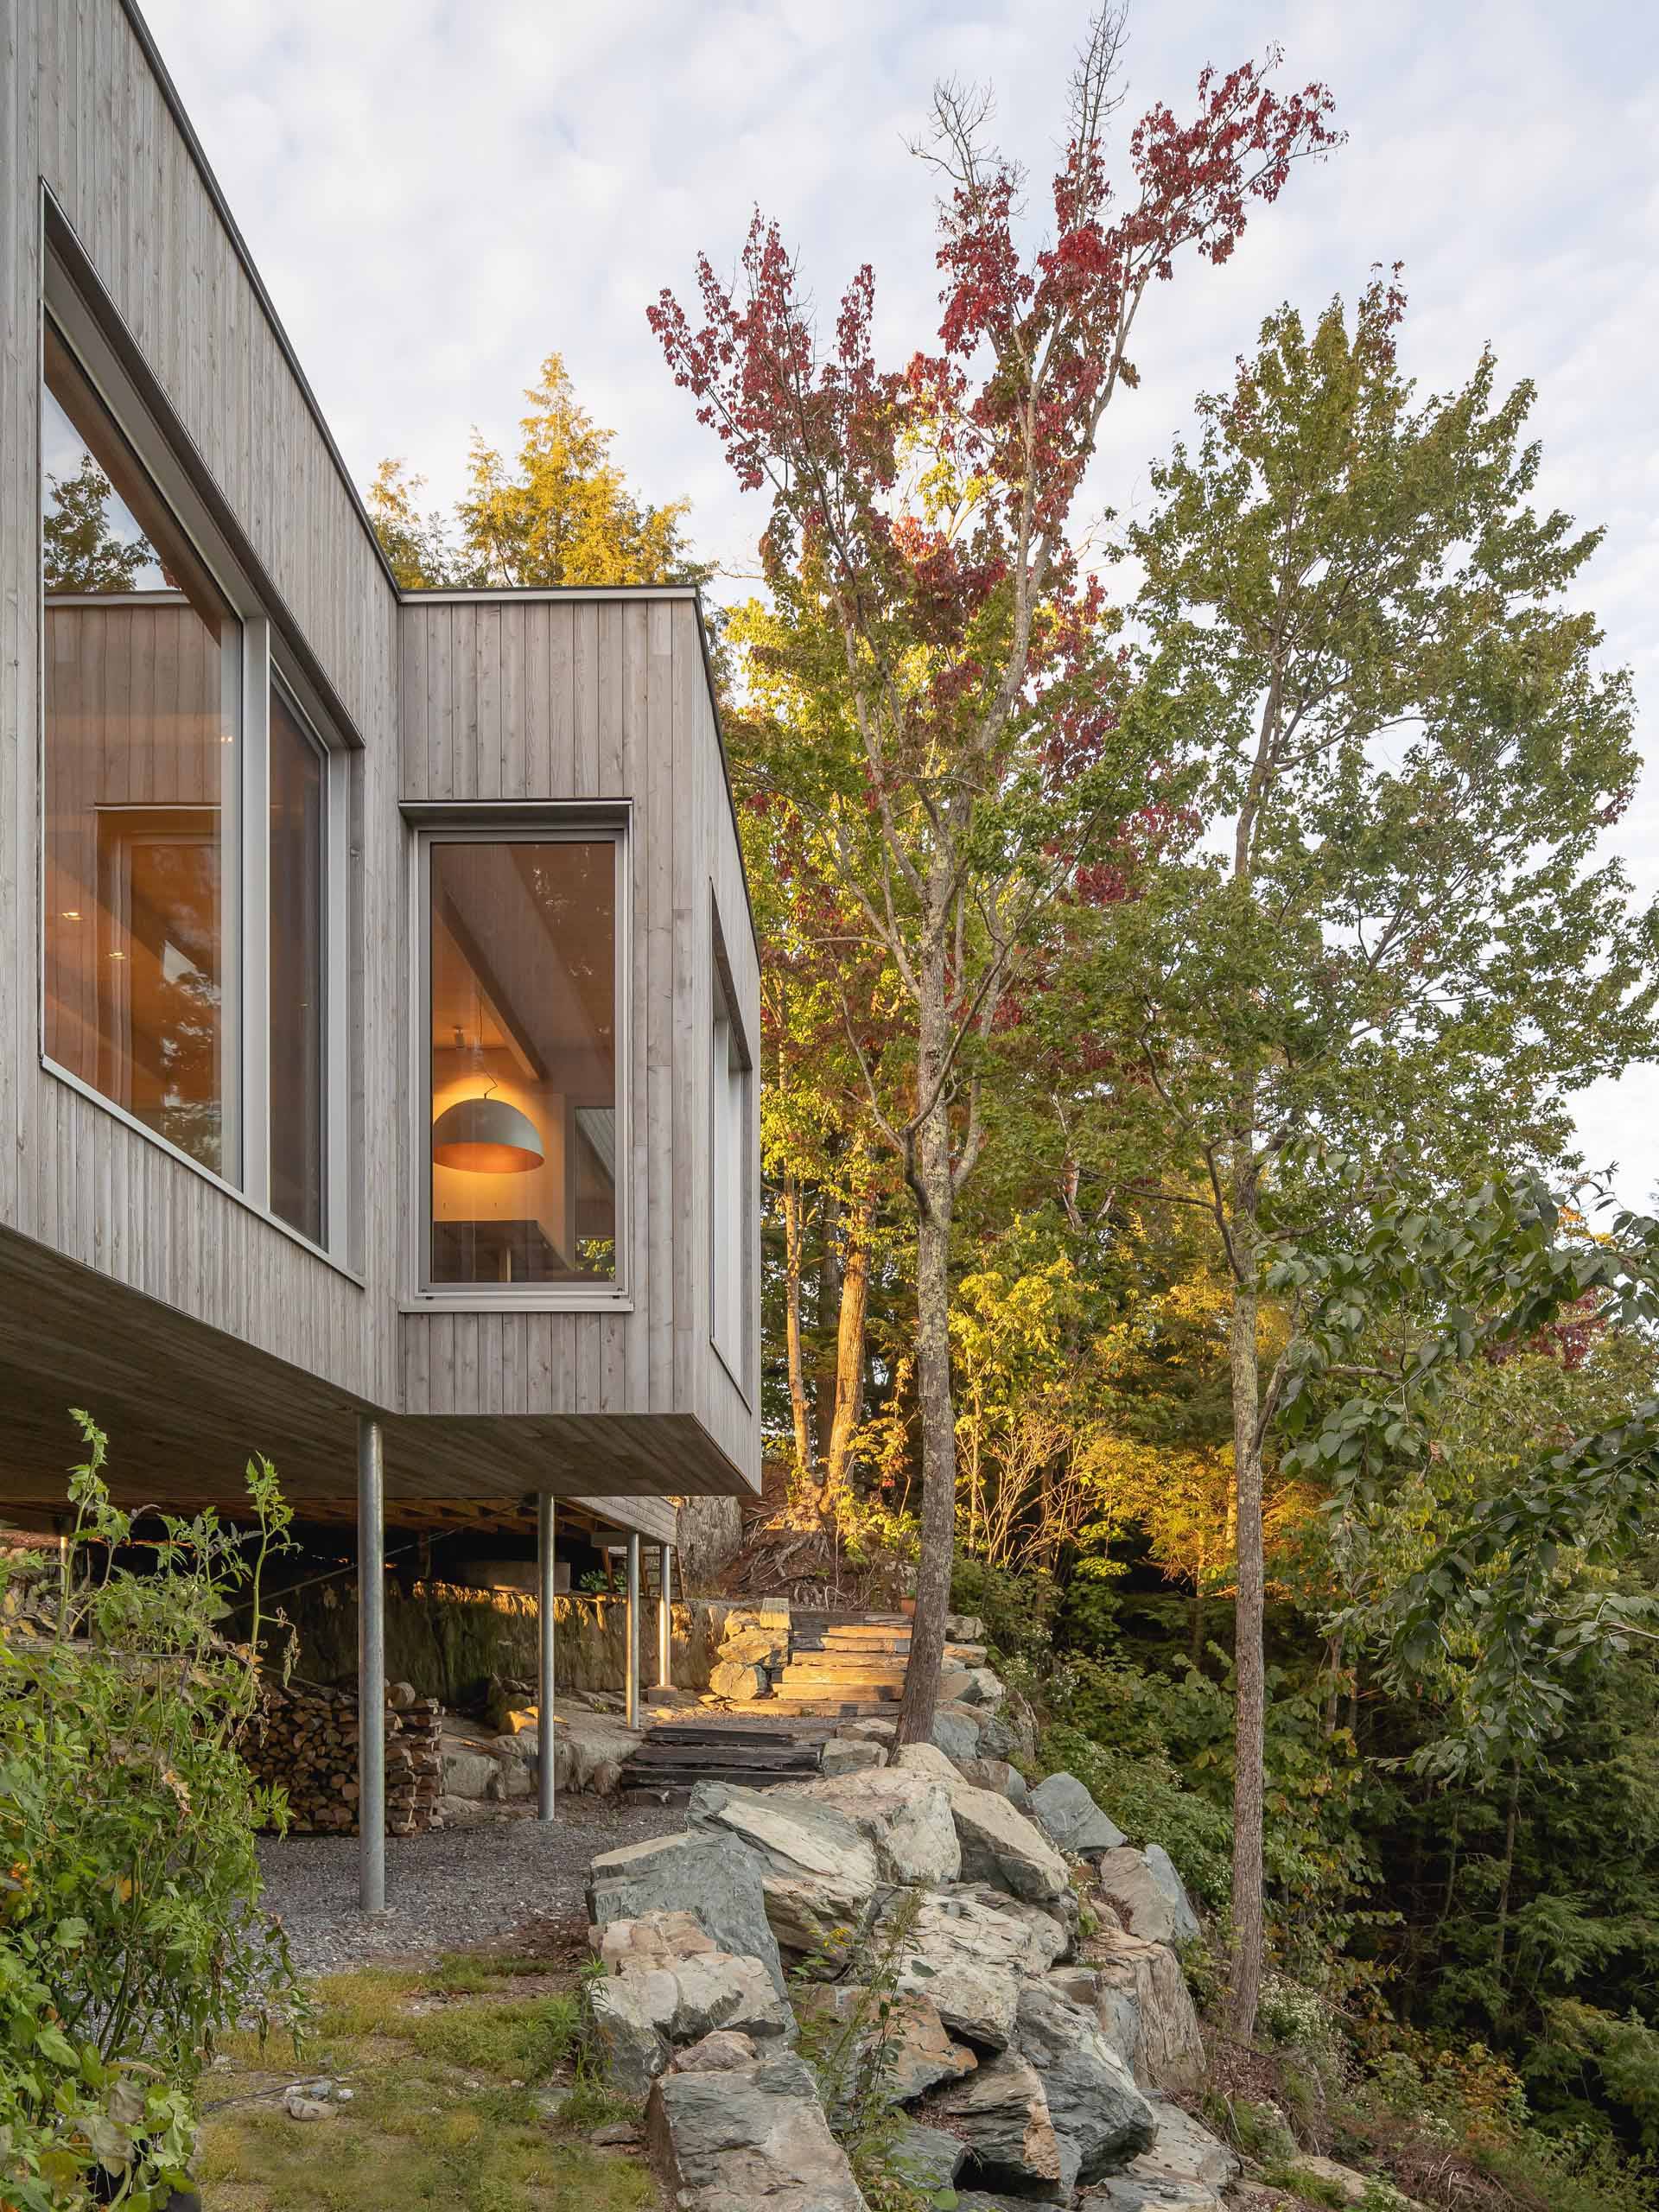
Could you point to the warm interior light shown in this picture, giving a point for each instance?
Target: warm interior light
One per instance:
(486, 1136)
(70, 914)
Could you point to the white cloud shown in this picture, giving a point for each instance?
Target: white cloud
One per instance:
(438, 194)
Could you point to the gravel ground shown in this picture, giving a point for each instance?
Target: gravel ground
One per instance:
(450, 1888)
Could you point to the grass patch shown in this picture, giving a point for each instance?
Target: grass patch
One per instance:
(464, 2096)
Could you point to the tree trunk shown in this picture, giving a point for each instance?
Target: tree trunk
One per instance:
(1509, 1874)
(1250, 1670)
(792, 1239)
(850, 1353)
(928, 1173)
(823, 1372)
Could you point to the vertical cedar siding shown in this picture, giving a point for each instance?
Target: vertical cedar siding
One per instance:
(508, 700)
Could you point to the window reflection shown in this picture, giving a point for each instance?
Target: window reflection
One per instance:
(522, 957)
(298, 790)
(141, 708)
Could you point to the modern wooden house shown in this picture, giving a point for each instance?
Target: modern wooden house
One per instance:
(380, 996)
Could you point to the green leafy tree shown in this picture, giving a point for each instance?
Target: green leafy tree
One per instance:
(129, 1882)
(922, 551)
(1356, 619)
(80, 551)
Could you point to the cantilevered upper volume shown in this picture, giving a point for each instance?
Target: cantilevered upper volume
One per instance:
(379, 1027)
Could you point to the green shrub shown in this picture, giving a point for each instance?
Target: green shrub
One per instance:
(1018, 1611)
(1144, 1797)
(129, 1883)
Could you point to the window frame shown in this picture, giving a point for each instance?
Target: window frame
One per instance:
(532, 822)
(265, 659)
(722, 994)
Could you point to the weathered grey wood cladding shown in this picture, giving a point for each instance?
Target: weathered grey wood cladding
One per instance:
(441, 700)
(601, 699)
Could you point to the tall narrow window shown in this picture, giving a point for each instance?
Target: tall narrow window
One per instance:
(730, 1197)
(299, 788)
(143, 705)
(522, 1004)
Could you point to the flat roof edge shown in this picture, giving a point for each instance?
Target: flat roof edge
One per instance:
(211, 185)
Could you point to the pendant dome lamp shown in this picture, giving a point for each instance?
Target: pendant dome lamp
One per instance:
(485, 1135)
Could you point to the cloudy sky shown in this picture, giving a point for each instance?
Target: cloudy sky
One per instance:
(439, 194)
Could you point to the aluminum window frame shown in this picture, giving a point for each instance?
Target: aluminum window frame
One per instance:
(578, 822)
(266, 658)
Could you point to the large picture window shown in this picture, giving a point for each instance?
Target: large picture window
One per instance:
(142, 665)
(193, 955)
(523, 957)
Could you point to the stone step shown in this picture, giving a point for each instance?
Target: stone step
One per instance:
(839, 1691)
(836, 1708)
(842, 1662)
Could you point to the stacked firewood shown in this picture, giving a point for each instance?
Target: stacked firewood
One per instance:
(306, 1744)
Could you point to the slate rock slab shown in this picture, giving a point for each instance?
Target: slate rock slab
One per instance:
(918, 2052)
(821, 1874)
(1002, 2115)
(1071, 1820)
(1141, 2000)
(905, 1816)
(927, 2158)
(643, 2013)
(849, 1755)
(1099, 2116)
(750, 2136)
(969, 1959)
(1000, 1846)
(716, 1878)
(1150, 1895)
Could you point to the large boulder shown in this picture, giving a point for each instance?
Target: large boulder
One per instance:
(923, 1758)
(748, 2136)
(1152, 2192)
(1098, 2115)
(1184, 2148)
(1063, 1914)
(916, 2052)
(715, 1878)
(996, 1774)
(1002, 2115)
(926, 2158)
(1071, 1820)
(1141, 2000)
(1000, 1846)
(969, 1959)
(655, 1939)
(1185, 2170)
(905, 1816)
(984, 1686)
(957, 1732)
(847, 1755)
(1149, 1894)
(643, 2013)
(821, 1874)
(738, 1680)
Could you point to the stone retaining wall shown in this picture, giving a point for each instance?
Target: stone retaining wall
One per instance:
(449, 1641)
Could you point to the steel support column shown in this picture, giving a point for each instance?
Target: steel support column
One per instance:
(664, 1616)
(631, 1664)
(544, 1530)
(370, 1666)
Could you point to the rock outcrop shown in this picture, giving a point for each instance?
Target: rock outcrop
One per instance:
(717, 1879)
(821, 1873)
(748, 2136)
(934, 1915)
(1149, 1894)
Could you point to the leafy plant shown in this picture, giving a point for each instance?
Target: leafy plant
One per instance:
(129, 1883)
